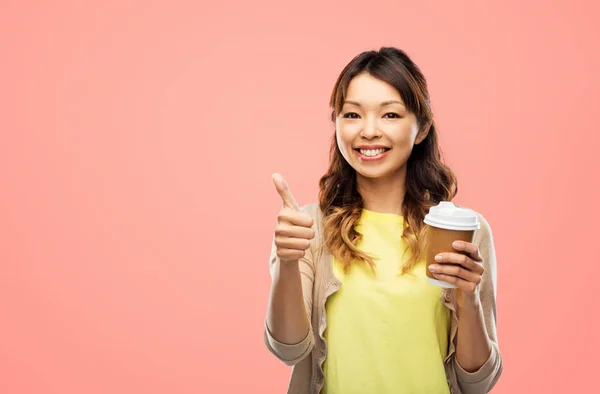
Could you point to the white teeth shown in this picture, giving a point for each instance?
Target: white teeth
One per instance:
(371, 152)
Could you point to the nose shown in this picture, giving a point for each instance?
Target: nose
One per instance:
(370, 129)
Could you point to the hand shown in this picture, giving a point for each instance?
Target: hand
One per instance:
(465, 270)
(294, 227)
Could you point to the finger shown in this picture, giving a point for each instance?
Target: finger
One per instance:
(459, 259)
(461, 283)
(469, 248)
(294, 217)
(291, 231)
(284, 192)
(292, 243)
(456, 271)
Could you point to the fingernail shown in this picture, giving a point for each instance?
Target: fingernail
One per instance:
(433, 268)
(456, 244)
(438, 257)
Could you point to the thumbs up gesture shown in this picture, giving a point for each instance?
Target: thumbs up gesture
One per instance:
(294, 227)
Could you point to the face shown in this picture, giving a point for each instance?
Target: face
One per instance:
(374, 130)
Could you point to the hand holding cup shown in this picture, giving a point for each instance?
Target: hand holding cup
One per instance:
(453, 260)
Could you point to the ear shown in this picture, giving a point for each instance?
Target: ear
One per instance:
(423, 133)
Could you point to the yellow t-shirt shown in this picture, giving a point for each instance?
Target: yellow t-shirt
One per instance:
(385, 333)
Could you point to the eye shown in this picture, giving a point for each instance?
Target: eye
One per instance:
(351, 115)
(392, 115)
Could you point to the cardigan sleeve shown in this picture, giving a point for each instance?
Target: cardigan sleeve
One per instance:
(484, 379)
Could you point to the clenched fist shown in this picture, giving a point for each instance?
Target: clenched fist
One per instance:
(294, 227)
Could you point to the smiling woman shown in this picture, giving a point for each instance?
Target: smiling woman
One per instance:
(381, 100)
(350, 305)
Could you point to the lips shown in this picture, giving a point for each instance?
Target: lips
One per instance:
(381, 154)
(371, 147)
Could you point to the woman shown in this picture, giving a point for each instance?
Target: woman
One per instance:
(350, 308)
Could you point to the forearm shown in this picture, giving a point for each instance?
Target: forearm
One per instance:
(287, 320)
(473, 344)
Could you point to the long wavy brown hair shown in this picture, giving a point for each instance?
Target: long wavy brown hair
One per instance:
(428, 179)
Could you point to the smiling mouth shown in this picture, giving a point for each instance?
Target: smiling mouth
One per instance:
(372, 152)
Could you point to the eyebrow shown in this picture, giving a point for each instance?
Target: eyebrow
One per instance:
(383, 104)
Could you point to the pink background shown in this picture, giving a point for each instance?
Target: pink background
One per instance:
(136, 204)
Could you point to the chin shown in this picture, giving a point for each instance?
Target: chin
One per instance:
(375, 173)
(372, 174)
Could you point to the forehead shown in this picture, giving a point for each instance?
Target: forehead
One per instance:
(366, 88)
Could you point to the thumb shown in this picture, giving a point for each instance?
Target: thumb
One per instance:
(285, 193)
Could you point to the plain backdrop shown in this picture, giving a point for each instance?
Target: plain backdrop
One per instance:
(138, 139)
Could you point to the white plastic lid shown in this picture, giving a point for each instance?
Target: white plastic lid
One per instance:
(448, 216)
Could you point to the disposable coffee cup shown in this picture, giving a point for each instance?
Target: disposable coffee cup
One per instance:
(447, 223)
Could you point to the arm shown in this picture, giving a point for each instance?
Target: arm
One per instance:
(478, 362)
(287, 332)
(473, 346)
(287, 319)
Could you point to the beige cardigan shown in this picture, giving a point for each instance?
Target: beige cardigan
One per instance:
(318, 283)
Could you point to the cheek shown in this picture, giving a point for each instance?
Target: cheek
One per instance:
(345, 135)
(341, 142)
(344, 143)
(414, 131)
(405, 135)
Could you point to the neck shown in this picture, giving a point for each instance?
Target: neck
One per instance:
(384, 195)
